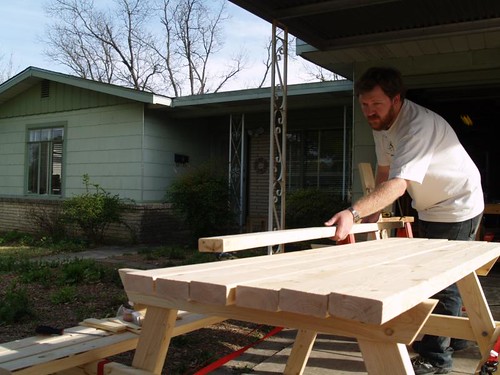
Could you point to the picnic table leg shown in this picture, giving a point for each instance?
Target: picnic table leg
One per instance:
(300, 352)
(155, 338)
(479, 313)
(382, 358)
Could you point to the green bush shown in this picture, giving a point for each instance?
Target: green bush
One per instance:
(203, 199)
(311, 207)
(65, 294)
(49, 223)
(93, 211)
(15, 305)
(85, 271)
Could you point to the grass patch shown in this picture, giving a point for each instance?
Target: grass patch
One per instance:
(65, 294)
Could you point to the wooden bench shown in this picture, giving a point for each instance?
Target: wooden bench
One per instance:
(81, 349)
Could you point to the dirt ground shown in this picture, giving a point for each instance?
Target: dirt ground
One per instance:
(187, 353)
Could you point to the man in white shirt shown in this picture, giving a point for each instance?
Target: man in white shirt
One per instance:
(417, 151)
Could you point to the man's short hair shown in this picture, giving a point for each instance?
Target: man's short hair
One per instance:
(389, 79)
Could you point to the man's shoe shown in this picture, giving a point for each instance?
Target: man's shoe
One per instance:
(421, 366)
(460, 344)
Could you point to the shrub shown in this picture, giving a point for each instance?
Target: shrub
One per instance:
(203, 199)
(311, 207)
(65, 294)
(93, 211)
(50, 223)
(85, 271)
(15, 305)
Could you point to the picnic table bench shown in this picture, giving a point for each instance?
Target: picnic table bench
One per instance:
(81, 349)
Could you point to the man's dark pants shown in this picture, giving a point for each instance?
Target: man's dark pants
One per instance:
(438, 350)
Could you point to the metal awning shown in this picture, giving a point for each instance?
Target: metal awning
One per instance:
(338, 33)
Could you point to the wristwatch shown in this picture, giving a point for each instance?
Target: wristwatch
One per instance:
(355, 215)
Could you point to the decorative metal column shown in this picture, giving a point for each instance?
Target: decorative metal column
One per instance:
(277, 134)
(237, 166)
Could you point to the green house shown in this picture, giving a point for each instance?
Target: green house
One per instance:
(55, 128)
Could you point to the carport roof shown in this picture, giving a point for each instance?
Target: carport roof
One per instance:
(341, 32)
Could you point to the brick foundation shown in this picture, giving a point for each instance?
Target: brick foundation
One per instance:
(145, 223)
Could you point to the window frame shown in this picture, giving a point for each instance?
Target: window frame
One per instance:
(50, 163)
(299, 179)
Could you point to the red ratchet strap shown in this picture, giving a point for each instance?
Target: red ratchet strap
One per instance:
(229, 357)
(100, 366)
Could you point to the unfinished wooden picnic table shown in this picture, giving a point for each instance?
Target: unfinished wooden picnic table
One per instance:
(377, 292)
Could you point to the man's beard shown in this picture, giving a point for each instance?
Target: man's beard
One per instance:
(382, 123)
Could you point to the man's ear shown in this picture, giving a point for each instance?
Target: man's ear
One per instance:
(396, 99)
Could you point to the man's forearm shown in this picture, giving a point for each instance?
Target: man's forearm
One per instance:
(383, 195)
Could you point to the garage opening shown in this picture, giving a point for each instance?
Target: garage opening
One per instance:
(474, 114)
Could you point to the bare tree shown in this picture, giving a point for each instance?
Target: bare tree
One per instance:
(192, 36)
(104, 46)
(154, 45)
(317, 73)
(6, 67)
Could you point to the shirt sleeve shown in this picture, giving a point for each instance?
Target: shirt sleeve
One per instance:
(414, 151)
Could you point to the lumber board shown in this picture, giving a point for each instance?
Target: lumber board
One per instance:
(387, 281)
(301, 350)
(400, 329)
(114, 368)
(218, 288)
(215, 284)
(156, 334)
(310, 296)
(385, 358)
(35, 361)
(104, 324)
(449, 326)
(45, 355)
(477, 308)
(366, 284)
(367, 179)
(245, 241)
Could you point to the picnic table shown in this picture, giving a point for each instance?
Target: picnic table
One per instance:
(377, 292)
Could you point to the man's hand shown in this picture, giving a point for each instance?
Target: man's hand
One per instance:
(344, 222)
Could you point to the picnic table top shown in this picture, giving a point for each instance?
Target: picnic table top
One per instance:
(371, 282)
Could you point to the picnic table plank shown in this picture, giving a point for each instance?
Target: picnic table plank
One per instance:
(220, 288)
(183, 284)
(314, 299)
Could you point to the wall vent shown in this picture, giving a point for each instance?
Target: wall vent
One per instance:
(45, 89)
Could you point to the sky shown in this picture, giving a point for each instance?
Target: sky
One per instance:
(24, 22)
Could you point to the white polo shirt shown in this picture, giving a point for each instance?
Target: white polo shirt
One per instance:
(422, 147)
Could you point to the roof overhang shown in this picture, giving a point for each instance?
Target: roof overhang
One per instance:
(299, 97)
(31, 76)
(338, 33)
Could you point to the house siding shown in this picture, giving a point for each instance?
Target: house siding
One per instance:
(163, 138)
(61, 98)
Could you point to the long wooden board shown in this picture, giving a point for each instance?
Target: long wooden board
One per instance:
(244, 241)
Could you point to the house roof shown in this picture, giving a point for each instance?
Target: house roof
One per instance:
(32, 75)
(299, 96)
(338, 33)
(306, 95)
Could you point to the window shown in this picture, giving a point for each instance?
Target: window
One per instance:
(45, 160)
(317, 159)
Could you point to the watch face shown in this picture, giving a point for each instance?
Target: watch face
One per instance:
(355, 214)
